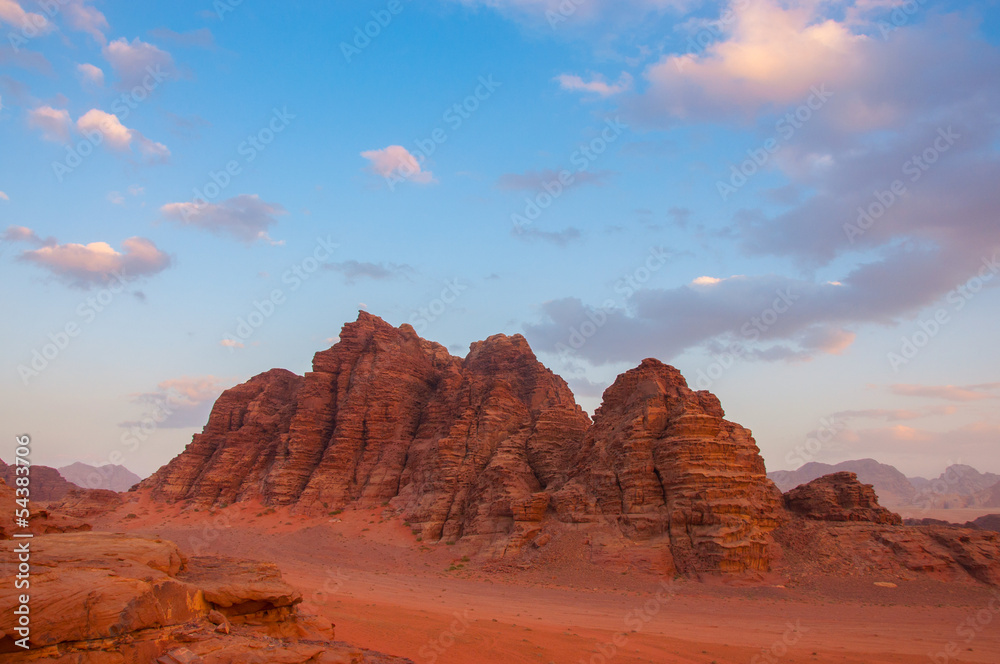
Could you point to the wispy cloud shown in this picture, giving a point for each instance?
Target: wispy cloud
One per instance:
(355, 271)
(245, 217)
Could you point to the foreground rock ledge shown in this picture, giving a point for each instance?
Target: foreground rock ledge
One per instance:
(100, 598)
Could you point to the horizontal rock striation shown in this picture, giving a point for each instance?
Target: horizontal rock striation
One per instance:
(464, 448)
(661, 461)
(99, 598)
(839, 497)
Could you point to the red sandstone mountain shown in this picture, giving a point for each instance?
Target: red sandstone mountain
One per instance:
(492, 449)
(661, 461)
(462, 447)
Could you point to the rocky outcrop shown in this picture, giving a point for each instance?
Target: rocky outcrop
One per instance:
(41, 519)
(87, 503)
(231, 458)
(111, 599)
(492, 449)
(46, 483)
(860, 548)
(892, 486)
(839, 497)
(662, 462)
(463, 447)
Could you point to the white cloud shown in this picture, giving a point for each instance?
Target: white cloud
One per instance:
(15, 16)
(137, 61)
(706, 281)
(596, 85)
(91, 74)
(53, 123)
(770, 56)
(119, 137)
(4, 197)
(245, 217)
(116, 198)
(116, 135)
(395, 163)
(86, 19)
(87, 265)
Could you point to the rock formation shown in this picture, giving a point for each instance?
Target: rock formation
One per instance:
(837, 527)
(661, 461)
(146, 603)
(41, 520)
(464, 448)
(839, 497)
(46, 483)
(492, 449)
(892, 486)
(87, 503)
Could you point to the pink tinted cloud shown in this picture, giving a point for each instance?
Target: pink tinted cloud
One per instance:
(396, 162)
(93, 264)
(55, 124)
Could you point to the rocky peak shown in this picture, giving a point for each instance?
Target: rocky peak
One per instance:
(661, 458)
(839, 497)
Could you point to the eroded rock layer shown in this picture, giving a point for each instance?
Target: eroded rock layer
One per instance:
(464, 448)
(839, 497)
(492, 449)
(99, 598)
(662, 461)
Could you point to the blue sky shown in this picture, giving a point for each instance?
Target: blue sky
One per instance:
(793, 202)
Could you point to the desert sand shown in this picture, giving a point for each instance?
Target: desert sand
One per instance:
(365, 572)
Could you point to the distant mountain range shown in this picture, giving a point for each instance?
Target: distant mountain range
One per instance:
(958, 486)
(113, 477)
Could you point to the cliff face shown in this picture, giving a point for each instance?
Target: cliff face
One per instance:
(231, 458)
(461, 447)
(661, 460)
(493, 449)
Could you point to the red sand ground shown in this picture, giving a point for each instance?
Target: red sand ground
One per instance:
(386, 591)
